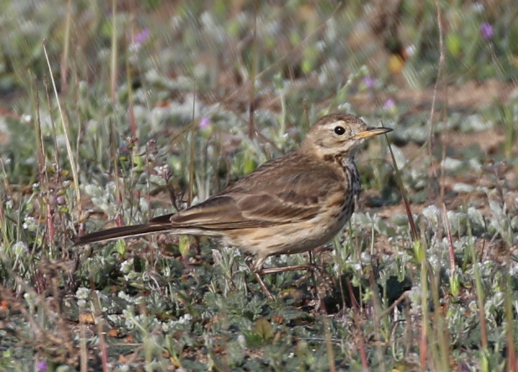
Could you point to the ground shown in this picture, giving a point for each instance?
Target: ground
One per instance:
(146, 107)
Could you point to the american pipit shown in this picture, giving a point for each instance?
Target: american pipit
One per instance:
(288, 205)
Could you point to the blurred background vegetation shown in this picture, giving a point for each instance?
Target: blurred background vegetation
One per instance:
(114, 111)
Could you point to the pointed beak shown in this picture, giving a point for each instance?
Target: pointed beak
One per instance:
(371, 131)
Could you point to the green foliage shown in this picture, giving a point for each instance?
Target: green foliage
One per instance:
(167, 302)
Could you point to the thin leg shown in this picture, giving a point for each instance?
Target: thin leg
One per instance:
(264, 287)
(258, 270)
(253, 269)
(275, 270)
(314, 277)
(311, 268)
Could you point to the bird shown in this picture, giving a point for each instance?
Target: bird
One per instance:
(288, 205)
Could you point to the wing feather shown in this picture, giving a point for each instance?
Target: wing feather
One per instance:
(274, 194)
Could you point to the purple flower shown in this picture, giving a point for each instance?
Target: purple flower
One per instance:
(389, 105)
(369, 82)
(142, 36)
(486, 30)
(41, 366)
(204, 123)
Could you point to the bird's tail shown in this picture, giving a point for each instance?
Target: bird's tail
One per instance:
(121, 232)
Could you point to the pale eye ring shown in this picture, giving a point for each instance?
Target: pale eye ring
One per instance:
(339, 130)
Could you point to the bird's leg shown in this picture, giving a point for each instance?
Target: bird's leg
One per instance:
(319, 292)
(275, 270)
(314, 269)
(258, 270)
(309, 273)
(255, 269)
(310, 268)
(263, 286)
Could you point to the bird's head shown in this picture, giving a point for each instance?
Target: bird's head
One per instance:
(338, 135)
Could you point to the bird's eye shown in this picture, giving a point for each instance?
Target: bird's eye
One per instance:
(339, 130)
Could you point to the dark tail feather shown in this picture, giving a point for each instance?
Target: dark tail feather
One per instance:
(120, 232)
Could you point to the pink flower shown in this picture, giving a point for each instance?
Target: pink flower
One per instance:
(369, 82)
(41, 366)
(390, 104)
(486, 30)
(204, 123)
(142, 36)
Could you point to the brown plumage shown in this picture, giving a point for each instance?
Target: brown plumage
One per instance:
(288, 205)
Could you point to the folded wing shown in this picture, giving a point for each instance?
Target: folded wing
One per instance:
(272, 195)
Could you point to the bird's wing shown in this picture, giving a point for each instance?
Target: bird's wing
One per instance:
(276, 193)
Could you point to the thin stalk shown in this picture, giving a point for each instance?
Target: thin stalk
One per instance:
(113, 64)
(66, 129)
(251, 123)
(481, 297)
(66, 48)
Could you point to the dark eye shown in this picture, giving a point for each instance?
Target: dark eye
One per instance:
(339, 130)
